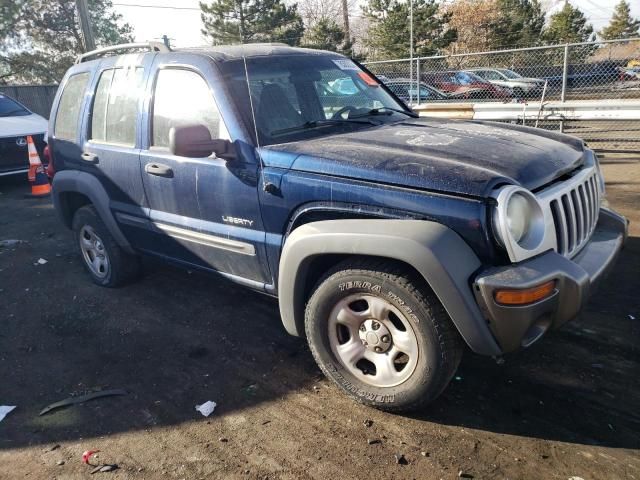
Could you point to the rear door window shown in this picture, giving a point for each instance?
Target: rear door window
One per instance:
(115, 107)
(66, 122)
(182, 97)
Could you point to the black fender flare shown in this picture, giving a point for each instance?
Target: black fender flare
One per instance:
(89, 186)
(439, 254)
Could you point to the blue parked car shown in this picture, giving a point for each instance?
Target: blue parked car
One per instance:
(392, 242)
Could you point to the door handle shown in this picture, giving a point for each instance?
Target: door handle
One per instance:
(90, 157)
(159, 170)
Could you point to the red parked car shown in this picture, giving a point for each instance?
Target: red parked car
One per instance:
(466, 84)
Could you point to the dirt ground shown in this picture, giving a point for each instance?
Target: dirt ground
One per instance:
(568, 406)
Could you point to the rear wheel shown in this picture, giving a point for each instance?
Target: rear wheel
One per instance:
(105, 261)
(381, 335)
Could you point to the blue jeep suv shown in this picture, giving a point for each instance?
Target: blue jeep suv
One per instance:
(391, 242)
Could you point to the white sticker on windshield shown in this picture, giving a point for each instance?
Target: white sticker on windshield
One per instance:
(345, 64)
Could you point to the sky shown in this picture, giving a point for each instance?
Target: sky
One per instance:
(180, 19)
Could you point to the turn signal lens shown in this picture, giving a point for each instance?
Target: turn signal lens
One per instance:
(525, 296)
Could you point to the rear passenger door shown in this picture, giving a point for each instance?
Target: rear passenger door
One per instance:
(111, 140)
(205, 210)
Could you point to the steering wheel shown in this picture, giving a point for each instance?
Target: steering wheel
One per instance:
(338, 114)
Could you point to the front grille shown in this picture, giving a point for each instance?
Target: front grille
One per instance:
(15, 157)
(575, 212)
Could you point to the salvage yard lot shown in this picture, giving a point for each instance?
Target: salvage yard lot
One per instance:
(568, 406)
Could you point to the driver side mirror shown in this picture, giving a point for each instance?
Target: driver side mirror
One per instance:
(194, 141)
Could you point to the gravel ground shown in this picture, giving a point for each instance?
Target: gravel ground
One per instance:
(568, 406)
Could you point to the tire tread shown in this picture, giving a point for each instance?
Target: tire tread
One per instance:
(449, 339)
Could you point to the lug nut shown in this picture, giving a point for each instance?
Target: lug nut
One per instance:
(385, 338)
(375, 325)
(378, 349)
(363, 328)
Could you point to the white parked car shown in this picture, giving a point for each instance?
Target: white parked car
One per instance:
(16, 122)
(519, 85)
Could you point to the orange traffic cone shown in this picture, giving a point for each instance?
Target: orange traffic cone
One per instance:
(39, 182)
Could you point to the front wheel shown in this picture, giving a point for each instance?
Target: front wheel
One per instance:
(381, 335)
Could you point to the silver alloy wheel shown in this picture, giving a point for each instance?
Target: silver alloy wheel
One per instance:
(373, 340)
(93, 252)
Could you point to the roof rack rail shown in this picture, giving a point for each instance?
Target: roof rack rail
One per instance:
(272, 44)
(152, 46)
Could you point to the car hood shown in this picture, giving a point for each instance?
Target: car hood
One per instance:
(461, 157)
(22, 125)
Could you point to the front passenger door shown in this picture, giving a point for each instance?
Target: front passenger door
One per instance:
(205, 210)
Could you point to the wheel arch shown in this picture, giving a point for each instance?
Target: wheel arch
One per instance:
(437, 253)
(319, 211)
(73, 189)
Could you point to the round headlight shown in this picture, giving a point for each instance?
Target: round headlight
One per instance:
(518, 216)
(519, 219)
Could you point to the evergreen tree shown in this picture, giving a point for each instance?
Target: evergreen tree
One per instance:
(389, 28)
(622, 25)
(326, 34)
(40, 39)
(520, 23)
(250, 21)
(569, 25)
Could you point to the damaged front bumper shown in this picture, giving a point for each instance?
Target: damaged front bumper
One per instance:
(575, 279)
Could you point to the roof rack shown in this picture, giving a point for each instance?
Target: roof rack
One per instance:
(151, 46)
(269, 44)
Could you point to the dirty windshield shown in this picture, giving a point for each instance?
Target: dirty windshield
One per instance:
(295, 97)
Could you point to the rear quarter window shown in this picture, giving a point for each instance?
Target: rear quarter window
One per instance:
(66, 121)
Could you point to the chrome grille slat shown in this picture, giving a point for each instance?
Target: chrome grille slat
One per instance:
(595, 194)
(588, 203)
(577, 207)
(571, 217)
(584, 206)
(574, 206)
(561, 224)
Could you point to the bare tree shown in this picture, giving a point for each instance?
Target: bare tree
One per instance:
(313, 11)
(474, 21)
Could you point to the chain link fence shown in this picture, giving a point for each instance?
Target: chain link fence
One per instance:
(604, 70)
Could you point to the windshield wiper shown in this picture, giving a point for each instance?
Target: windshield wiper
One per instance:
(385, 111)
(318, 124)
